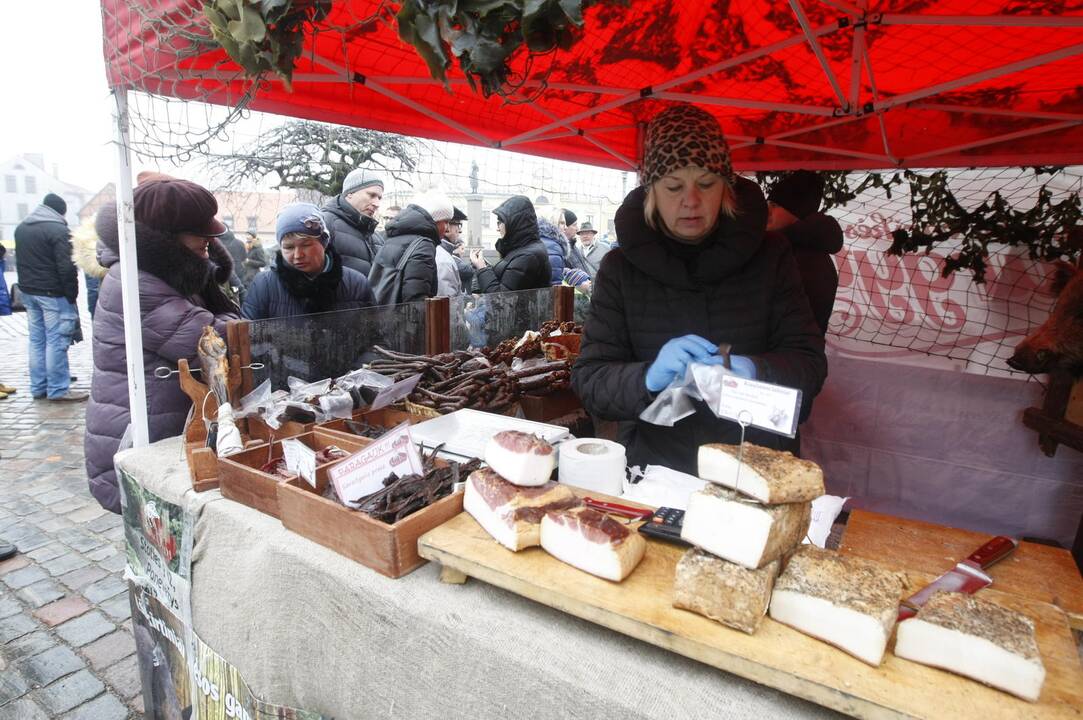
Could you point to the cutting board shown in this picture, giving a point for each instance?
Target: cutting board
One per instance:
(1033, 571)
(776, 655)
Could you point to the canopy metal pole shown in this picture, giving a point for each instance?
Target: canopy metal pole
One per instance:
(129, 276)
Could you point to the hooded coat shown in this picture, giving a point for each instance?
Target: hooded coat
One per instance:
(178, 296)
(556, 250)
(524, 261)
(739, 286)
(352, 234)
(43, 247)
(814, 240)
(413, 232)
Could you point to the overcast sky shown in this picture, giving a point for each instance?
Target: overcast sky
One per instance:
(53, 83)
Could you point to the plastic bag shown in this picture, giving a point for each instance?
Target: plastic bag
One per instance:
(255, 401)
(229, 437)
(660, 486)
(676, 402)
(303, 391)
(337, 404)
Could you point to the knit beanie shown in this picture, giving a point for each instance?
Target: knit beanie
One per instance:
(684, 135)
(303, 218)
(436, 204)
(800, 193)
(569, 217)
(54, 201)
(575, 277)
(360, 178)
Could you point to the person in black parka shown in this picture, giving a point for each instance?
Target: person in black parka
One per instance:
(308, 275)
(793, 209)
(405, 267)
(694, 270)
(524, 261)
(351, 219)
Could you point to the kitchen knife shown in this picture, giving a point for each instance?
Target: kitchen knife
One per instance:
(615, 509)
(967, 576)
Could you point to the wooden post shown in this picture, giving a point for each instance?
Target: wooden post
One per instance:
(240, 350)
(563, 303)
(437, 325)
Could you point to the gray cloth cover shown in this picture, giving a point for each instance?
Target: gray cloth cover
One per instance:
(308, 628)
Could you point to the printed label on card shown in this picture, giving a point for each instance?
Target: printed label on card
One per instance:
(769, 407)
(394, 392)
(301, 459)
(364, 472)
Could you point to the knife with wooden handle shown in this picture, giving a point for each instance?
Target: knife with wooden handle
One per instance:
(968, 576)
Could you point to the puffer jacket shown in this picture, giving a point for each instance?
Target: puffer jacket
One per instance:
(178, 297)
(524, 262)
(814, 240)
(270, 297)
(550, 236)
(413, 231)
(43, 247)
(351, 234)
(740, 287)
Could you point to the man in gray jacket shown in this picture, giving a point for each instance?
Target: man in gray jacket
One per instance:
(591, 249)
(50, 286)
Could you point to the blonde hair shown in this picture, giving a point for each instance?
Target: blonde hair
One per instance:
(654, 219)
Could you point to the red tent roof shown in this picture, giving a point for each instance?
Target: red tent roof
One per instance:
(808, 83)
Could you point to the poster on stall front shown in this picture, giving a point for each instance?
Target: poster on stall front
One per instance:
(182, 677)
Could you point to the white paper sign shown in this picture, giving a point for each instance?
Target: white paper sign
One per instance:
(394, 392)
(301, 459)
(364, 472)
(770, 407)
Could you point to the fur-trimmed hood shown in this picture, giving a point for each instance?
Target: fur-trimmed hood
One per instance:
(159, 254)
(84, 249)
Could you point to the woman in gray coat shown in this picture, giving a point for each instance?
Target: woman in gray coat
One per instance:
(180, 265)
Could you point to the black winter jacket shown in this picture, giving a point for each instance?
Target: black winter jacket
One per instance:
(413, 231)
(43, 247)
(269, 295)
(814, 240)
(524, 261)
(742, 288)
(351, 234)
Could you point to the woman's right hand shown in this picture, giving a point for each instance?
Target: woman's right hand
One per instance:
(477, 259)
(674, 357)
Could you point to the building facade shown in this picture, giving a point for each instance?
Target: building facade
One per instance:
(24, 181)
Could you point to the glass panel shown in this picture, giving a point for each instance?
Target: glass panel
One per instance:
(314, 347)
(485, 320)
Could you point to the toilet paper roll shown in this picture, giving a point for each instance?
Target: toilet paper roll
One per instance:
(593, 464)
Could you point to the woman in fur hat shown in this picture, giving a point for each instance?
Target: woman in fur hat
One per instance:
(181, 265)
(694, 270)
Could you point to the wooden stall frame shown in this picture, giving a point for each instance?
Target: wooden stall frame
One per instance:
(563, 303)
(240, 347)
(437, 325)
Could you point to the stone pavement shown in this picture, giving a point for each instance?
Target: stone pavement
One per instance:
(66, 646)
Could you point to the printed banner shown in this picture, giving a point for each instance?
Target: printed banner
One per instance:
(182, 677)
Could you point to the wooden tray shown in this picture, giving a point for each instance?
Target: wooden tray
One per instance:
(1038, 572)
(546, 408)
(242, 480)
(776, 656)
(388, 549)
(384, 417)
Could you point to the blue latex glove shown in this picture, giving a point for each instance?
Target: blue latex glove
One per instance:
(674, 357)
(743, 366)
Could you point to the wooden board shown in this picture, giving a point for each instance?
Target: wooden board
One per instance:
(776, 655)
(1036, 572)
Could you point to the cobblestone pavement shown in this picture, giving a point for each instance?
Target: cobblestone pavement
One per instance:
(66, 646)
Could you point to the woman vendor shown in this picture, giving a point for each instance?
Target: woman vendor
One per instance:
(695, 269)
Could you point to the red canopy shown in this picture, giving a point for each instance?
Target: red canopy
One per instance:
(808, 83)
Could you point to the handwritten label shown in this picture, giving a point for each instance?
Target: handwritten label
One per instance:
(364, 472)
(770, 407)
(395, 392)
(301, 459)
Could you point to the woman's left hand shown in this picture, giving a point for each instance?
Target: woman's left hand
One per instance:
(477, 259)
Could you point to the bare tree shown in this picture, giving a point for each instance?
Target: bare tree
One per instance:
(317, 157)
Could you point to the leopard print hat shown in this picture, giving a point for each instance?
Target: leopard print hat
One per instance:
(683, 135)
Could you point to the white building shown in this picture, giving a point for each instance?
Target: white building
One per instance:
(24, 181)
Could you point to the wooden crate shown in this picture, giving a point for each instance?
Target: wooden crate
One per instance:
(241, 479)
(384, 417)
(390, 550)
(546, 408)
